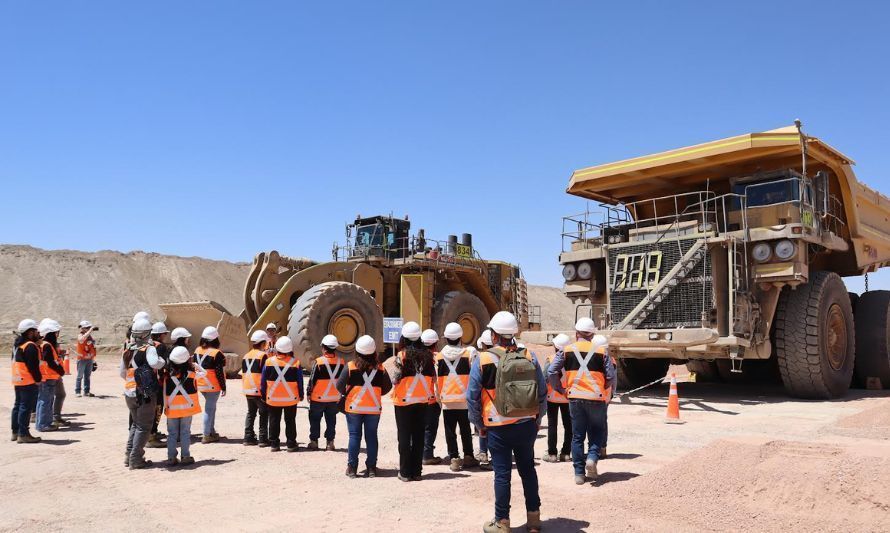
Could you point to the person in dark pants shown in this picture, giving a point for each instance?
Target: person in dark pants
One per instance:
(139, 354)
(282, 387)
(412, 377)
(251, 378)
(51, 371)
(324, 397)
(453, 364)
(508, 437)
(558, 404)
(26, 378)
(430, 339)
(158, 332)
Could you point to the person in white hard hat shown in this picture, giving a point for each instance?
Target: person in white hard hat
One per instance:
(180, 393)
(86, 358)
(363, 385)
(510, 435)
(158, 335)
(137, 362)
(430, 339)
(251, 377)
(322, 391)
(212, 384)
(180, 337)
(482, 344)
(612, 384)
(26, 378)
(282, 388)
(453, 376)
(558, 405)
(51, 370)
(272, 332)
(589, 370)
(413, 375)
(141, 315)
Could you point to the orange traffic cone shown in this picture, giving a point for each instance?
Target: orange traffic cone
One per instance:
(673, 410)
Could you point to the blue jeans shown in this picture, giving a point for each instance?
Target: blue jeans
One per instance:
(84, 371)
(316, 411)
(355, 422)
(505, 442)
(45, 399)
(588, 422)
(483, 443)
(179, 432)
(210, 399)
(25, 403)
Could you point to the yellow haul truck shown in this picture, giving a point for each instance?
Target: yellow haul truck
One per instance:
(732, 252)
(382, 271)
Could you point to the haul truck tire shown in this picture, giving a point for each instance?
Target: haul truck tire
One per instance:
(815, 338)
(344, 309)
(464, 308)
(873, 337)
(634, 373)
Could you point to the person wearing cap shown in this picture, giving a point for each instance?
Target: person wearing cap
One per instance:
(138, 355)
(363, 385)
(453, 374)
(26, 378)
(251, 376)
(589, 371)
(323, 394)
(282, 388)
(509, 437)
(430, 339)
(51, 370)
(158, 334)
(212, 384)
(482, 344)
(86, 358)
(180, 393)
(413, 373)
(558, 405)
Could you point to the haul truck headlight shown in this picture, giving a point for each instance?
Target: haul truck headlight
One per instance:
(785, 249)
(585, 270)
(568, 272)
(761, 252)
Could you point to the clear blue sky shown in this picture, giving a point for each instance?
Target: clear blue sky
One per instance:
(220, 129)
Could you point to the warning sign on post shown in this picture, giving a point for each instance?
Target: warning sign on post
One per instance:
(392, 329)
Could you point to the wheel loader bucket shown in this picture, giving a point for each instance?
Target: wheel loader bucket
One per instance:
(195, 316)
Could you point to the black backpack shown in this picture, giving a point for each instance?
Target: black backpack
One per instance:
(147, 385)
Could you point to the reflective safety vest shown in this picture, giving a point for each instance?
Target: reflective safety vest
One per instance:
(45, 370)
(364, 390)
(282, 384)
(325, 389)
(86, 349)
(21, 376)
(66, 364)
(206, 359)
(554, 396)
(453, 377)
(413, 389)
(130, 379)
(585, 372)
(181, 397)
(252, 372)
(488, 365)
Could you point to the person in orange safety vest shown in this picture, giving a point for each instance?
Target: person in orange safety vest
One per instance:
(414, 373)
(558, 406)
(180, 390)
(282, 388)
(453, 375)
(86, 358)
(323, 394)
(251, 378)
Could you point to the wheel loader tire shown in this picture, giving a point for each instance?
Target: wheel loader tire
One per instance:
(464, 308)
(633, 373)
(854, 301)
(344, 309)
(873, 338)
(815, 338)
(705, 371)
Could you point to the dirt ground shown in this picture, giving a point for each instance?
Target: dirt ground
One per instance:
(745, 458)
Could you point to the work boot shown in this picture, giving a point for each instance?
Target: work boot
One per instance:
(89, 394)
(486, 467)
(263, 444)
(590, 468)
(603, 453)
(497, 526)
(250, 441)
(372, 471)
(33, 418)
(470, 461)
(155, 442)
(550, 458)
(292, 446)
(276, 447)
(482, 457)
(456, 465)
(403, 478)
(27, 439)
(187, 460)
(432, 461)
(48, 428)
(417, 478)
(160, 435)
(533, 521)
(55, 426)
(580, 479)
(61, 421)
(329, 447)
(215, 435)
(565, 457)
(144, 463)
(173, 461)
(350, 472)
(207, 439)
(79, 395)
(15, 436)
(127, 460)
(312, 446)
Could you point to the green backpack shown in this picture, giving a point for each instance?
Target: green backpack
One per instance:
(516, 384)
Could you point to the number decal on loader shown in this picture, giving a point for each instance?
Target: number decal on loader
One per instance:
(637, 271)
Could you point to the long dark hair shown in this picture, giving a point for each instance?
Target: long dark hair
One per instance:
(418, 358)
(180, 370)
(365, 363)
(52, 338)
(207, 343)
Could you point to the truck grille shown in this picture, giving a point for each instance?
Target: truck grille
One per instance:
(631, 266)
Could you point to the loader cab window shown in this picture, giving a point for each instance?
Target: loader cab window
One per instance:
(369, 240)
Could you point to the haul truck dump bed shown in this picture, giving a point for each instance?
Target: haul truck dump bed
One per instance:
(729, 251)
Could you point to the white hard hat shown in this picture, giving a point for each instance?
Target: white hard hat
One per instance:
(179, 355)
(599, 340)
(141, 315)
(48, 325)
(271, 325)
(585, 325)
(141, 325)
(26, 324)
(330, 341)
(179, 333)
(158, 327)
(365, 345)
(259, 336)
(504, 323)
(453, 331)
(484, 340)
(411, 331)
(210, 333)
(429, 337)
(85, 324)
(561, 341)
(284, 345)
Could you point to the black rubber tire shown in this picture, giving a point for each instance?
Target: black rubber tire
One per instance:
(802, 337)
(633, 373)
(873, 337)
(451, 305)
(310, 317)
(705, 371)
(854, 301)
